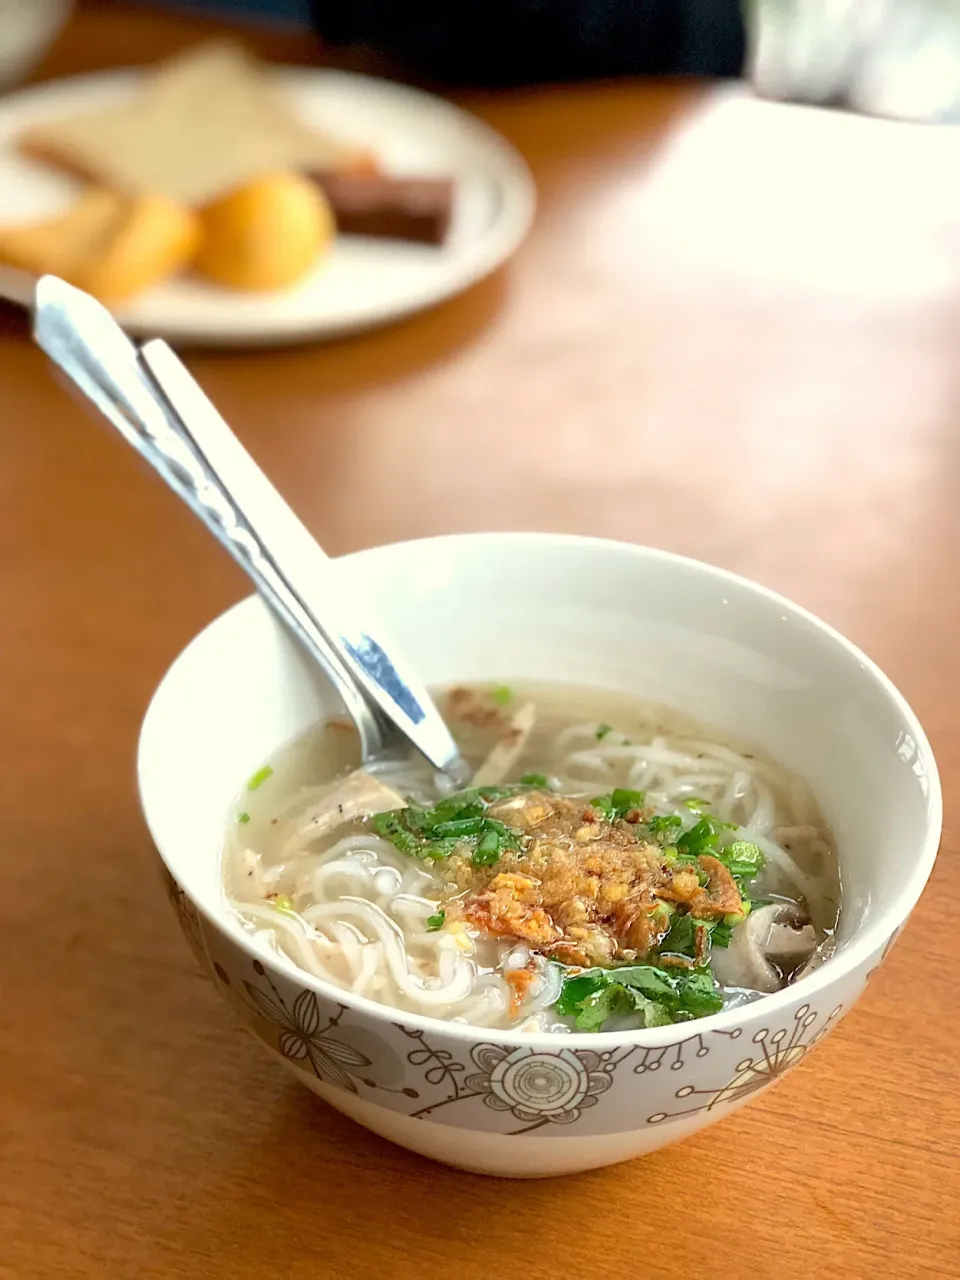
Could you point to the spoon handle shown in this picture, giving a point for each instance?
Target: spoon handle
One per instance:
(84, 341)
(311, 577)
(155, 404)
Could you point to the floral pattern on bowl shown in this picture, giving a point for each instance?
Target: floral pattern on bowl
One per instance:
(510, 1090)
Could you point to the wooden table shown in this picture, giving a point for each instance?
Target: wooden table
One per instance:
(733, 333)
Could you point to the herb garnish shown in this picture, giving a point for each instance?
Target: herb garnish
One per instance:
(538, 780)
(743, 859)
(703, 837)
(619, 803)
(437, 832)
(603, 730)
(681, 940)
(260, 777)
(501, 695)
(435, 922)
(695, 803)
(243, 818)
(663, 826)
(721, 934)
(658, 997)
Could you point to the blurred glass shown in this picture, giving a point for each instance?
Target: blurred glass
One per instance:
(27, 30)
(895, 58)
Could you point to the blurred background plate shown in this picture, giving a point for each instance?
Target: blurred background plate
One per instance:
(362, 282)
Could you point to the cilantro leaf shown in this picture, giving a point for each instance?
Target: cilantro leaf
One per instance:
(617, 1000)
(602, 1003)
(682, 938)
(659, 997)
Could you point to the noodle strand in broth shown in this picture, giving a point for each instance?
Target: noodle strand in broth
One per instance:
(592, 888)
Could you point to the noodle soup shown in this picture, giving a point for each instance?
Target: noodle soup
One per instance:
(613, 865)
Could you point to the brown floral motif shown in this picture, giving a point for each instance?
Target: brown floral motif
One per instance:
(777, 1053)
(538, 1088)
(186, 914)
(304, 1037)
(672, 1055)
(438, 1065)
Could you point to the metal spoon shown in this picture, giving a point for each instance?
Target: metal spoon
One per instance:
(158, 408)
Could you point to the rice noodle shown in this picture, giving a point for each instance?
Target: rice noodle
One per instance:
(362, 909)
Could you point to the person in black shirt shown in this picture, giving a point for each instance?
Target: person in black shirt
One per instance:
(506, 42)
(887, 57)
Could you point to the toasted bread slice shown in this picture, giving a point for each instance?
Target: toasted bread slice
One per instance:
(111, 245)
(204, 123)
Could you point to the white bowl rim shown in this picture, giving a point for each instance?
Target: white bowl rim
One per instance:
(864, 943)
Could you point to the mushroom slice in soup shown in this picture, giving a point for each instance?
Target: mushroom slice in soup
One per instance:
(772, 943)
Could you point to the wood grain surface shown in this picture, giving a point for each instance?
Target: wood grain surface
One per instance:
(734, 333)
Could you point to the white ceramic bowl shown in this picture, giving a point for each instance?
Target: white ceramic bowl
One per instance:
(514, 607)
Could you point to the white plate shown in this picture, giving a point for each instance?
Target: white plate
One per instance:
(363, 282)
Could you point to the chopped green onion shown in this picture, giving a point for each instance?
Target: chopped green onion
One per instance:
(243, 818)
(664, 824)
(283, 903)
(603, 730)
(436, 922)
(703, 837)
(696, 803)
(734, 918)
(534, 780)
(260, 777)
(487, 851)
(604, 805)
(625, 800)
(744, 860)
(450, 825)
(458, 827)
(501, 695)
(391, 828)
(436, 850)
(619, 803)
